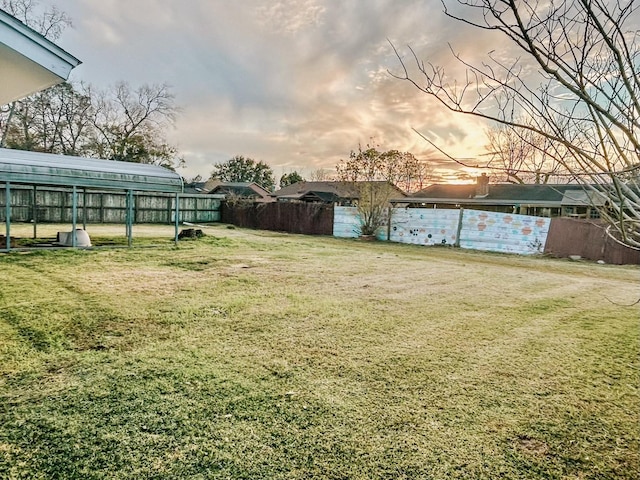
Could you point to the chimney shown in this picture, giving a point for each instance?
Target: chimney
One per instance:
(482, 185)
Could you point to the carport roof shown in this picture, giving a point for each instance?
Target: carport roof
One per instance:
(32, 168)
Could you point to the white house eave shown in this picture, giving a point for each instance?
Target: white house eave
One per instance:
(30, 62)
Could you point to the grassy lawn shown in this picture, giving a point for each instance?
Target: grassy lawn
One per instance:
(250, 355)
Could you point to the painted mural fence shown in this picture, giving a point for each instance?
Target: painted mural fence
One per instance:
(471, 229)
(422, 226)
(503, 232)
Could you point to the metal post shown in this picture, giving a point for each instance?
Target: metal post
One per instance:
(84, 209)
(177, 219)
(35, 212)
(129, 217)
(74, 217)
(7, 213)
(126, 214)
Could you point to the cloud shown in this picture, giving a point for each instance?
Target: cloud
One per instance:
(289, 16)
(296, 83)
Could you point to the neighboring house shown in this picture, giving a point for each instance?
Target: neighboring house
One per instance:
(341, 193)
(241, 190)
(544, 200)
(202, 187)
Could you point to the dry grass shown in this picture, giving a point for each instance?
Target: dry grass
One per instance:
(263, 355)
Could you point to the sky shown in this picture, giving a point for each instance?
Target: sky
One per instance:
(297, 84)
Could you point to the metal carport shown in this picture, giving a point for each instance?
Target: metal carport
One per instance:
(44, 169)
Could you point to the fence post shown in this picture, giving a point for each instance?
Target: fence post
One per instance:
(457, 242)
(7, 213)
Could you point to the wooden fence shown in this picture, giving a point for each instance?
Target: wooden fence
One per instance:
(54, 205)
(306, 218)
(565, 237)
(589, 240)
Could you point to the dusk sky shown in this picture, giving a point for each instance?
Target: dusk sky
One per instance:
(294, 83)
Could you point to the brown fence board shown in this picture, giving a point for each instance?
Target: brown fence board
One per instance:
(568, 236)
(305, 218)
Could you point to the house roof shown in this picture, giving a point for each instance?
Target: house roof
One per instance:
(202, 187)
(583, 198)
(242, 189)
(324, 191)
(30, 62)
(34, 168)
(509, 194)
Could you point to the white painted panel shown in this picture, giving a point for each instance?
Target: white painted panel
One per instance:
(503, 232)
(346, 224)
(425, 226)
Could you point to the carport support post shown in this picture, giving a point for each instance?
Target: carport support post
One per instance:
(129, 217)
(35, 211)
(84, 209)
(177, 219)
(7, 215)
(74, 216)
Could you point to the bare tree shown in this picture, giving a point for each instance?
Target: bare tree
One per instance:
(56, 120)
(519, 156)
(76, 117)
(321, 175)
(583, 97)
(412, 173)
(50, 21)
(118, 124)
(370, 163)
(129, 124)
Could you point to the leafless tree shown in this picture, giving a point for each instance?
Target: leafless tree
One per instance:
(371, 163)
(129, 124)
(49, 21)
(118, 124)
(583, 95)
(520, 156)
(413, 173)
(56, 120)
(321, 175)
